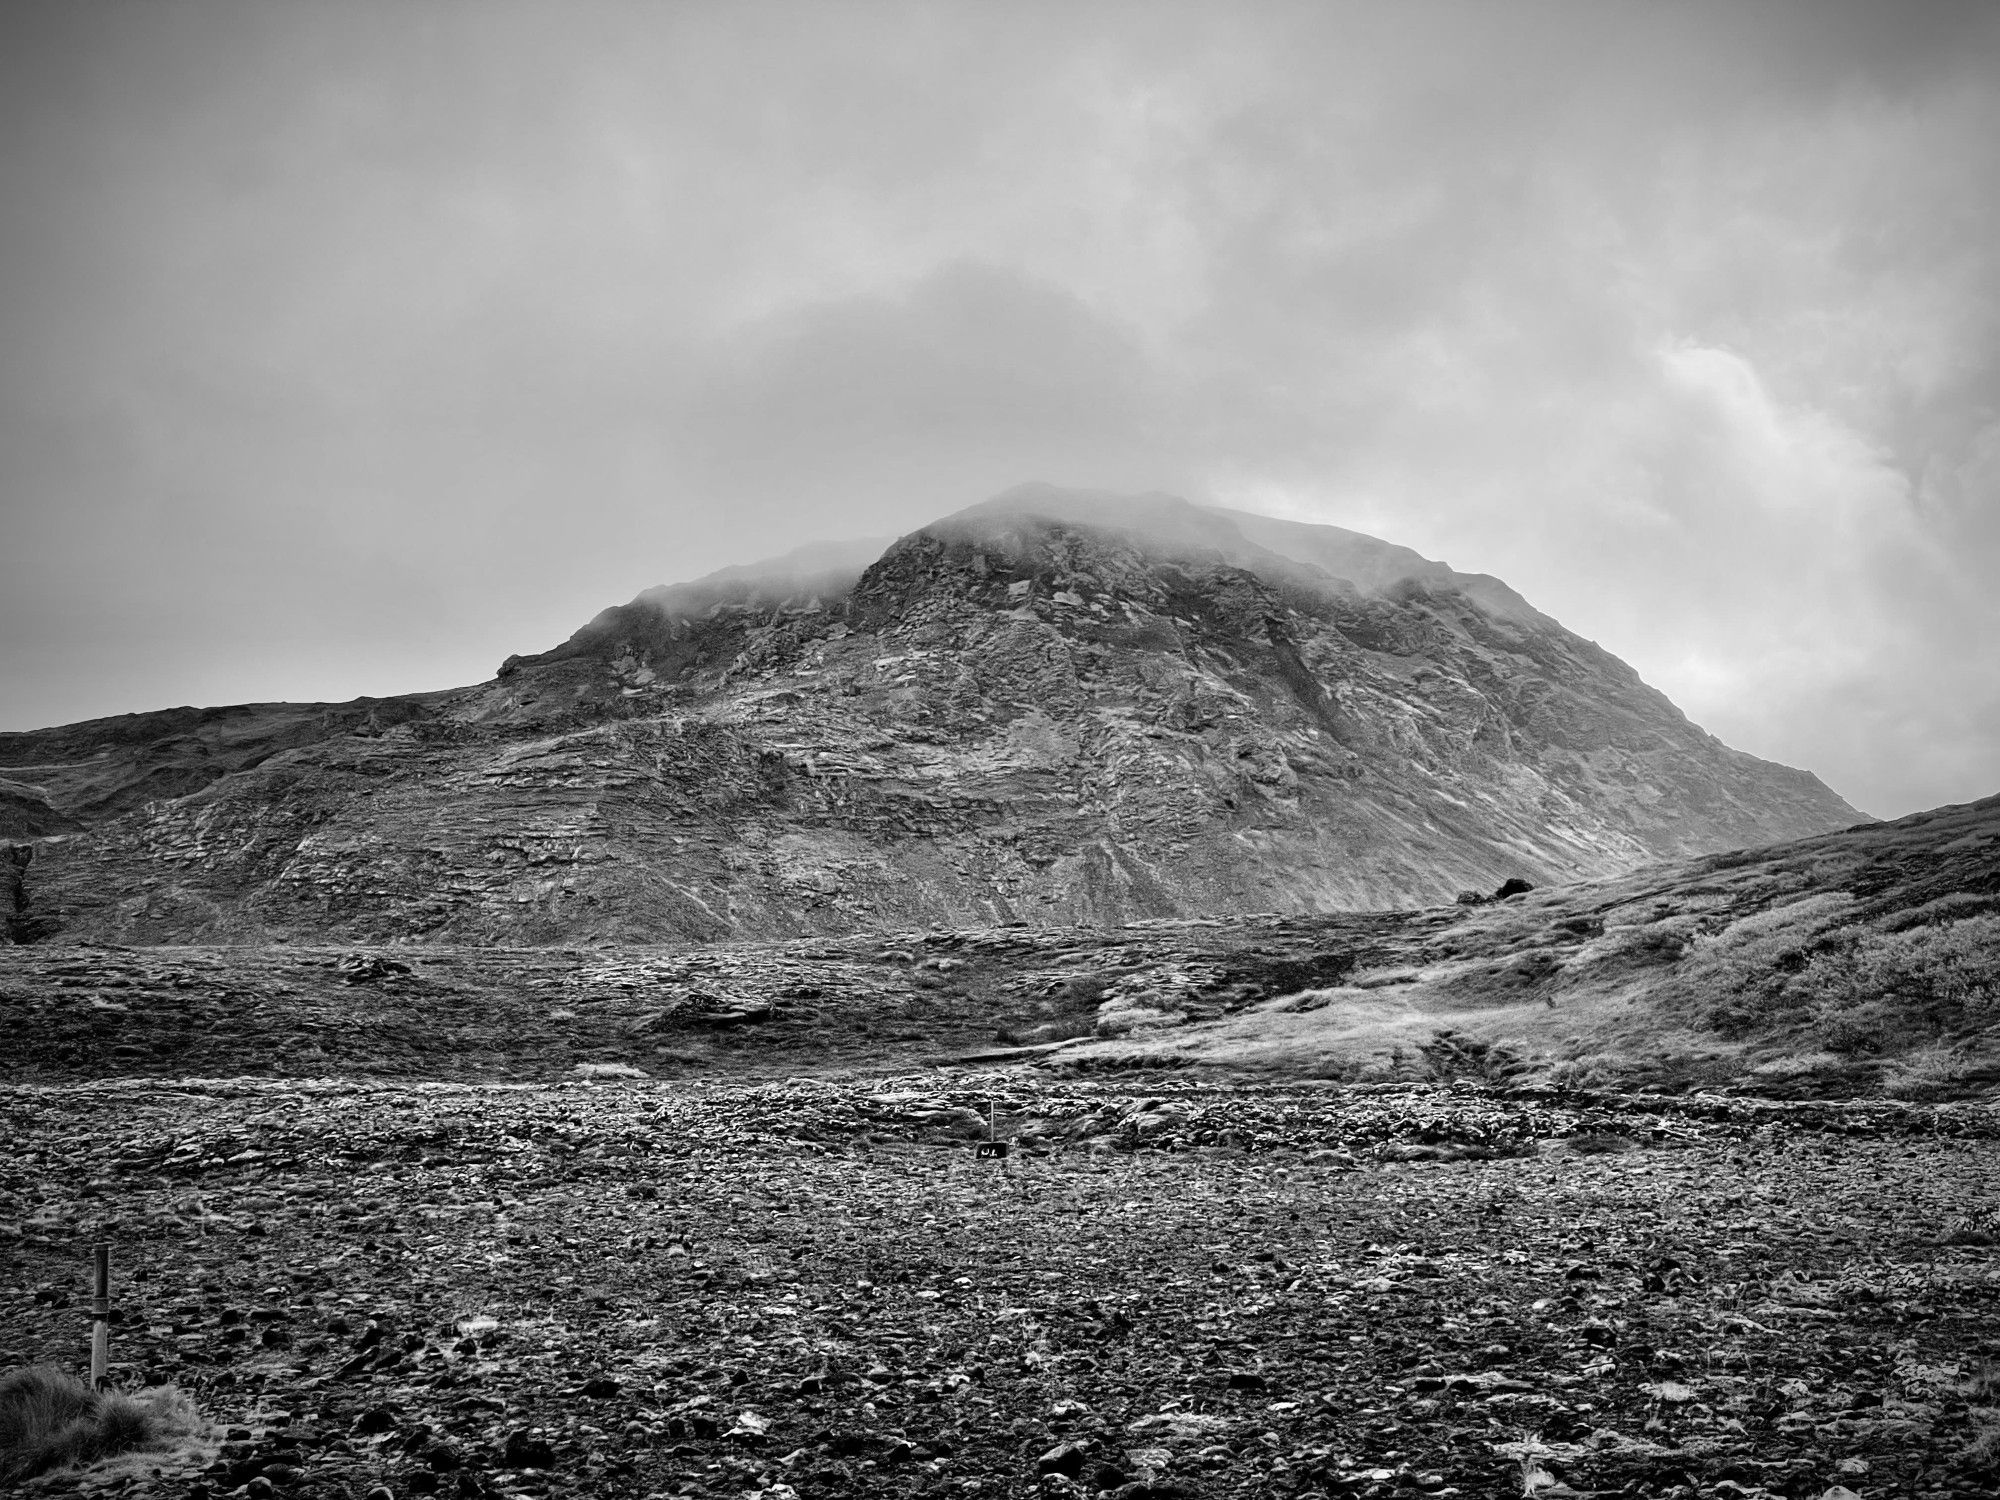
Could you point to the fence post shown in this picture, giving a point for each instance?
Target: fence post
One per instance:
(100, 1312)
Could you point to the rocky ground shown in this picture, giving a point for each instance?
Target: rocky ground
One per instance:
(752, 1010)
(808, 1288)
(1860, 963)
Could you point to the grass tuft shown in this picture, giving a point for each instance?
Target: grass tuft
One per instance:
(51, 1420)
(1983, 1452)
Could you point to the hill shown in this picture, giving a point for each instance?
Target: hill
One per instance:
(1054, 708)
(1856, 963)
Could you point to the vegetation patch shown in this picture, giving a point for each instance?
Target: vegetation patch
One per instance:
(51, 1420)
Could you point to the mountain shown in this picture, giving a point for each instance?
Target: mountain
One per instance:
(1056, 707)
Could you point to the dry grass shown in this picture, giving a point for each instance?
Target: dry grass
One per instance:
(51, 1420)
(1982, 1454)
(1933, 1072)
(1741, 970)
(1414, 1032)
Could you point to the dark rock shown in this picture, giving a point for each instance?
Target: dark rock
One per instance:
(528, 1449)
(1066, 1459)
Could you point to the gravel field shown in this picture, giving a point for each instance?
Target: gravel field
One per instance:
(820, 1289)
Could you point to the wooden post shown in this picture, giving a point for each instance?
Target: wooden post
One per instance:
(993, 1135)
(100, 1312)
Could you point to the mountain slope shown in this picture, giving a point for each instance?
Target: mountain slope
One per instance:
(1861, 961)
(1055, 707)
(1865, 961)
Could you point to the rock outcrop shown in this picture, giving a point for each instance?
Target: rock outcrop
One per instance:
(1054, 708)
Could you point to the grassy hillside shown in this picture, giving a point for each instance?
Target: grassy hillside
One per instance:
(1846, 963)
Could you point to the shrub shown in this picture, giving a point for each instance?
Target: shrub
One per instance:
(1853, 989)
(1938, 1071)
(1452, 1055)
(50, 1420)
(1734, 980)
(1884, 989)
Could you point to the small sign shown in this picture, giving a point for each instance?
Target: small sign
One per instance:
(991, 1148)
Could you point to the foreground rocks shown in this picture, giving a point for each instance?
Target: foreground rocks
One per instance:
(816, 1289)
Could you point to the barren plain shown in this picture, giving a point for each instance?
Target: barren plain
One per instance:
(1190, 1288)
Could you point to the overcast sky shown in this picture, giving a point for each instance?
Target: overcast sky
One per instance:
(347, 348)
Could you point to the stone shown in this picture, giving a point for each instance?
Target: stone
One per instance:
(526, 1448)
(1066, 1459)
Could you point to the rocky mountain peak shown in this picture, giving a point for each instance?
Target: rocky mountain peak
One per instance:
(1057, 706)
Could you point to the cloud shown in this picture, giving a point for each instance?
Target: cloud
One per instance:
(350, 349)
